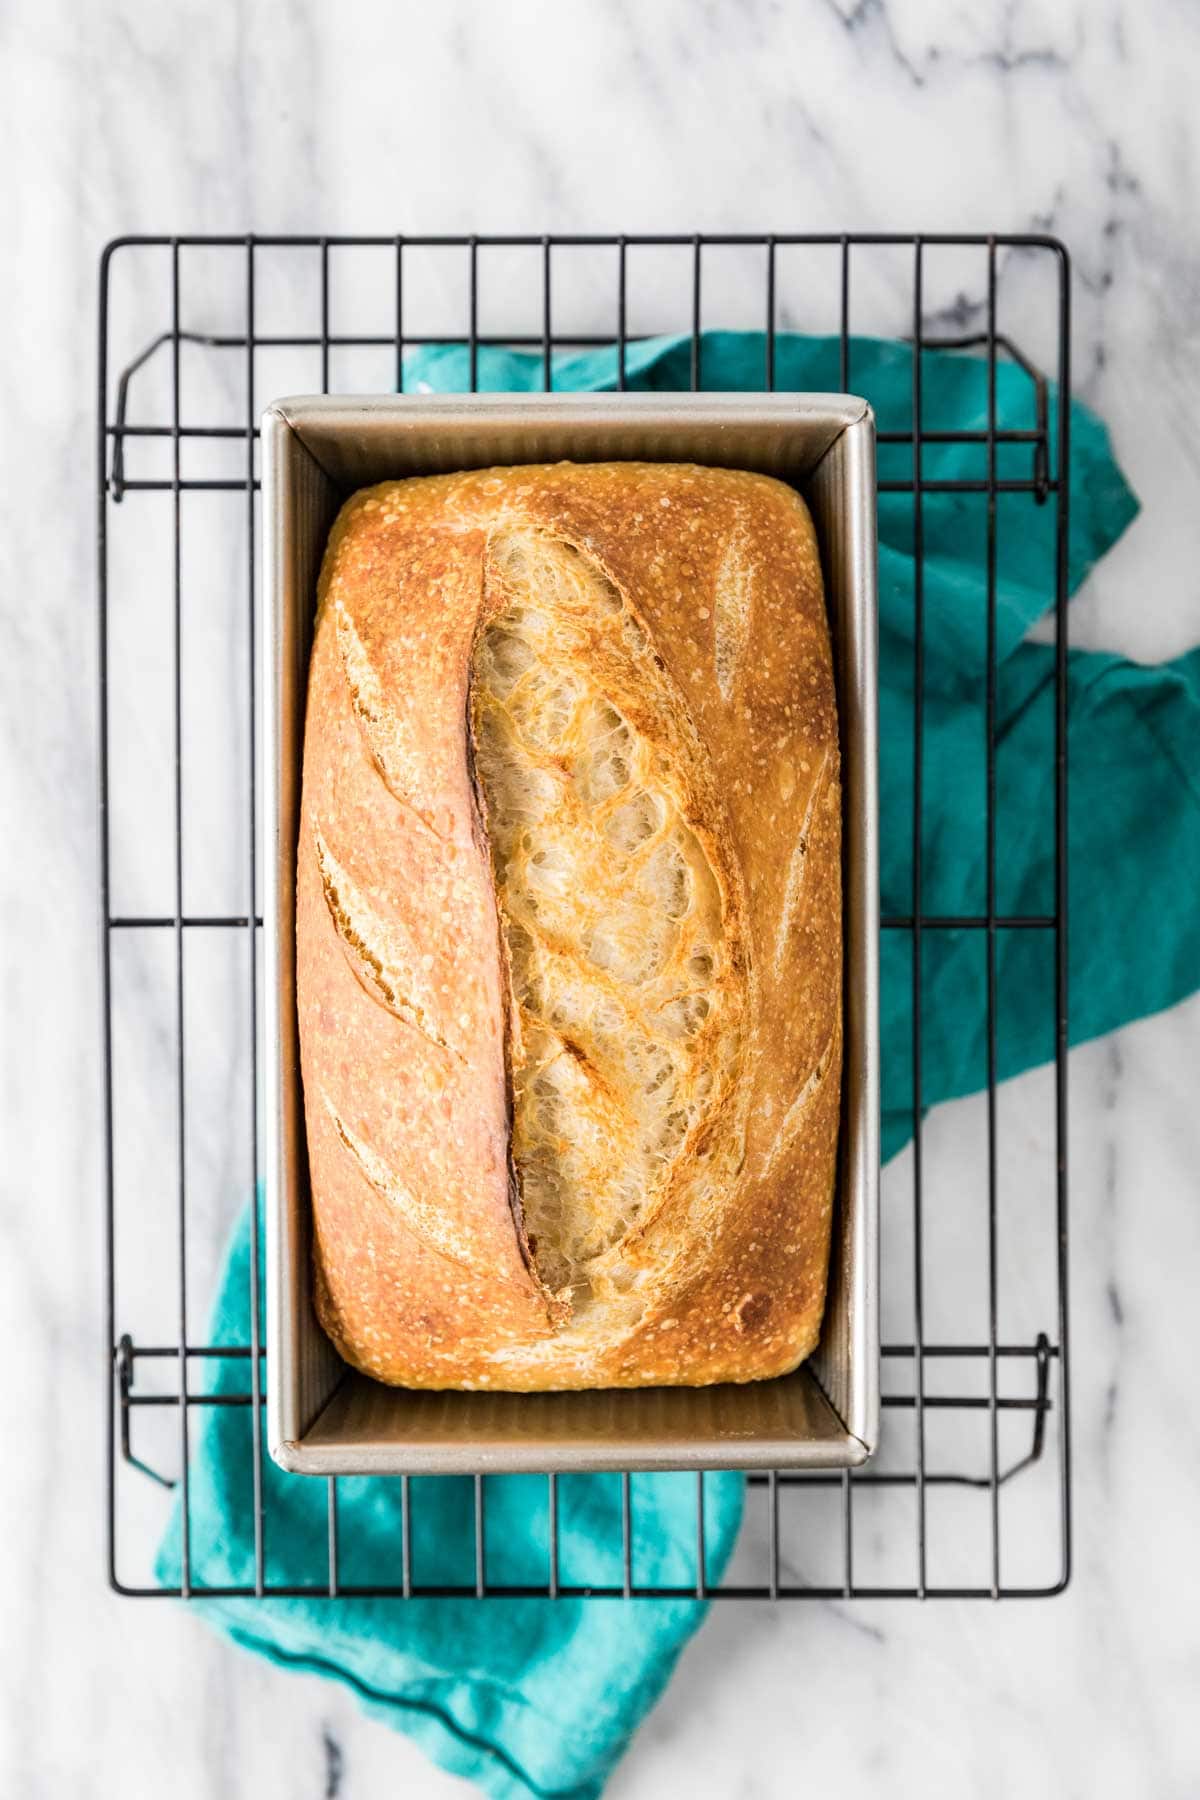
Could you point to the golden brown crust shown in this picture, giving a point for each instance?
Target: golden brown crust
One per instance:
(423, 1277)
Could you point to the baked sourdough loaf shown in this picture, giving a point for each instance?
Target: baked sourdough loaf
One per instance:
(569, 929)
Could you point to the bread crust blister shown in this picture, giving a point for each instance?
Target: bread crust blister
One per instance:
(569, 929)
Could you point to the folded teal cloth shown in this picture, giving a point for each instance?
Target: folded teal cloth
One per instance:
(539, 1697)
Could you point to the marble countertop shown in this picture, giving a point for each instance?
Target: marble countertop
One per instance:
(598, 115)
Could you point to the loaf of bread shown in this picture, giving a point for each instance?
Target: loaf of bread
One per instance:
(569, 929)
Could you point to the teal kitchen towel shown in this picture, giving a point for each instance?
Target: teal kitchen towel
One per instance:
(537, 1697)
(524, 1697)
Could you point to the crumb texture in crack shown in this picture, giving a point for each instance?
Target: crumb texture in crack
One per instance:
(627, 1014)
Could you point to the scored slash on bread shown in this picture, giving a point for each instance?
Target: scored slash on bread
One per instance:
(380, 951)
(568, 929)
(625, 1057)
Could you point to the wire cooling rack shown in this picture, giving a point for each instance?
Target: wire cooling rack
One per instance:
(969, 1495)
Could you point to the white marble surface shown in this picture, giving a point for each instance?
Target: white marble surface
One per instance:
(534, 116)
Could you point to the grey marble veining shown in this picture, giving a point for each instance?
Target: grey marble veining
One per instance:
(588, 114)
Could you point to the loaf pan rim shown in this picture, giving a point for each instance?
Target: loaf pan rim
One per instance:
(283, 423)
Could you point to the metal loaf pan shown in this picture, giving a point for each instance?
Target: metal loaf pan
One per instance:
(324, 1418)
